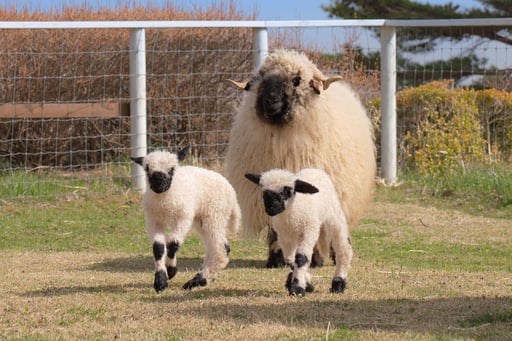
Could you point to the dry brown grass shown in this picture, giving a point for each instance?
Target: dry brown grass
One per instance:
(73, 296)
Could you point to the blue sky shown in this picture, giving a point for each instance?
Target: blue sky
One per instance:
(266, 9)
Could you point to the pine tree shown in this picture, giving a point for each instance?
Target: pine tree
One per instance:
(420, 40)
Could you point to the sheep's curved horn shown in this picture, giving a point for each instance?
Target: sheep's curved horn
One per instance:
(239, 85)
(328, 81)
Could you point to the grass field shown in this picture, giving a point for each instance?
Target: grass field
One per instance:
(80, 267)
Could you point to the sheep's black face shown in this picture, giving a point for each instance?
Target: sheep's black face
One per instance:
(275, 99)
(275, 203)
(159, 181)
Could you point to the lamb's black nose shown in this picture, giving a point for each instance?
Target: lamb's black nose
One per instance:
(159, 182)
(273, 203)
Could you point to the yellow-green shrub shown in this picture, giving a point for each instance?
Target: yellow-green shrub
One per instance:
(443, 127)
(495, 108)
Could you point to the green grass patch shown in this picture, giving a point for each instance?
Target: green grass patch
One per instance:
(483, 191)
(49, 185)
(487, 318)
(418, 253)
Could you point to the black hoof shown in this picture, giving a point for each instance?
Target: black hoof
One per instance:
(171, 272)
(160, 281)
(338, 285)
(197, 281)
(275, 260)
(295, 290)
(317, 261)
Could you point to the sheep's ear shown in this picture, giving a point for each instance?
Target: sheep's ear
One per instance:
(305, 187)
(138, 160)
(254, 177)
(240, 85)
(182, 153)
(328, 81)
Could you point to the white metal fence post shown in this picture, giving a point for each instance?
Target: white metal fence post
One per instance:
(388, 114)
(138, 104)
(260, 46)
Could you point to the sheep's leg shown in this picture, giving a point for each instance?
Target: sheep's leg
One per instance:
(173, 243)
(158, 243)
(275, 254)
(171, 262)
(298, 281)
(216, 257)
(289, 248)
(344, 252)
(317, 260)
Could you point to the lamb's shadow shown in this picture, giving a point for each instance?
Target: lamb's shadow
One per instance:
(462, 317)
(141, 263)
(82, 289)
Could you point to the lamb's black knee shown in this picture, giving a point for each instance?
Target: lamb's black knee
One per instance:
(197, 281)
(289, 280)
(158, 250)
(338, 285)
(227, 248)
(160, 281)
(172, 248)
(301, 260)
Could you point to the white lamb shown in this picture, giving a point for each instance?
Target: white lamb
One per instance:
(178, 198)
(302, 219)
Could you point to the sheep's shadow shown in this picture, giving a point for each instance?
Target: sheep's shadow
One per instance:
(140, 263)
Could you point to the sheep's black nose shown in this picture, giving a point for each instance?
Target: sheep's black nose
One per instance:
(159, 182)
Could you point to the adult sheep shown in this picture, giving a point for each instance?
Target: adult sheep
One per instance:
(293, 117)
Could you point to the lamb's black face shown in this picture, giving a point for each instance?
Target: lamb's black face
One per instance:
(275, 203)
(275, 99)
(160, 181)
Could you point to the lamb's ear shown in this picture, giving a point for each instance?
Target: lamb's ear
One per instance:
(254, 177)
(328, 81)
(182, 153)
(304, 187)
(239, 85)
(138, 160)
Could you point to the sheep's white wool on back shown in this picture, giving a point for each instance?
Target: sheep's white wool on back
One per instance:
(330, 131)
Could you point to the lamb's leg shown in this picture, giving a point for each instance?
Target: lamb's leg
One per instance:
(173, 243)
(217, 251)
(275, 254)
(343, 249)
(158, 243)
(299, 281)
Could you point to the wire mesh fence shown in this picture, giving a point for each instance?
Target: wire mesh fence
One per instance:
(46, 138)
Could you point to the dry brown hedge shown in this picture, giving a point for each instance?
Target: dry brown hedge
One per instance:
(187, 100)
